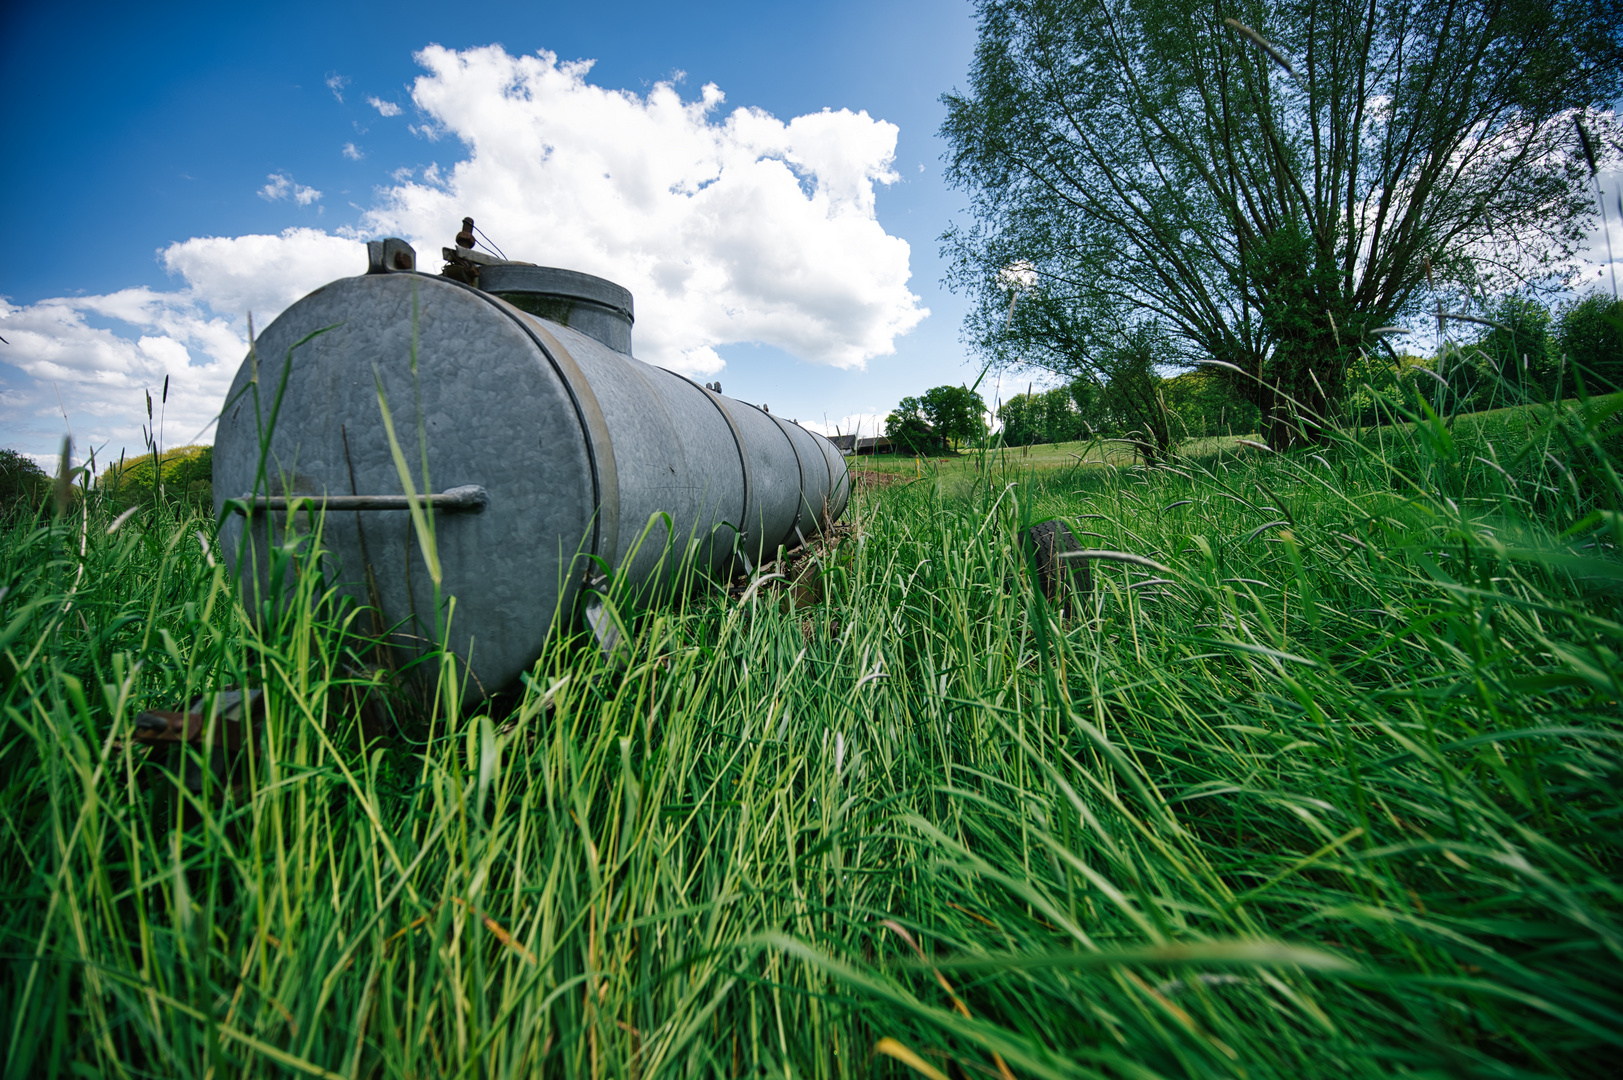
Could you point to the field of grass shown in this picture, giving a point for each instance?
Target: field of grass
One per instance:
(1042, 455)
(1327, 783)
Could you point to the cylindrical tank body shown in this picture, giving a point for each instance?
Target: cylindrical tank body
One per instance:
(589, 459)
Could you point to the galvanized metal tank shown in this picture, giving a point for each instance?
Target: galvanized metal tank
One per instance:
(552, 453)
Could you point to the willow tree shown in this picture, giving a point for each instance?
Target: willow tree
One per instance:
(1270, 184)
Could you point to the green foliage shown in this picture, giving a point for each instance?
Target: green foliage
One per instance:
(1327, 787)
(1203, 403)
(1132, 390)
(23, 484)
(1271, 183)
(1021, 418)
(1197, 404)
(1520, 350)
(1050, 416)
(1313, 329)
(1591, 335)
(1086, 396)
(908, 430)
(1382, 386)
(955, 413)
(186, 472)
(929, 423)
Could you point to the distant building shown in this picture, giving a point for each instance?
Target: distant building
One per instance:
(850, 444)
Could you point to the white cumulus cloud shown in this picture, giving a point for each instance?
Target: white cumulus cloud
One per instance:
(728, 227)
(281, 186)
(101, 354)
(351, 152)
(235, 275)
(384, 108)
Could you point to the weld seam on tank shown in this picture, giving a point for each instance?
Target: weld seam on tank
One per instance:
(740, 534)
(842, 488)
(828, 491)
(825, 515)
(794, 525)
(594, 426)
(605, 475)
(800, 463)
(765, 552)
(654, 398)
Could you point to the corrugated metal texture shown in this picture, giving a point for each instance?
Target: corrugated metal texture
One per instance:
(583, 450)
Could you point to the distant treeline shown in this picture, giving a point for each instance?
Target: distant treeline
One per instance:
(1523, 350)
(184, 474)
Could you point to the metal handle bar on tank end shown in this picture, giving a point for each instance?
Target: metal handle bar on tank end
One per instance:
(466, 499)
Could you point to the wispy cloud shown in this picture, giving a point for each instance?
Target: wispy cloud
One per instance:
(384, 108)
(281, 186)
(101, 352)
(336, 83)
(352, 153)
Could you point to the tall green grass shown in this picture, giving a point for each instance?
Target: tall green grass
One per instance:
(1333, 792)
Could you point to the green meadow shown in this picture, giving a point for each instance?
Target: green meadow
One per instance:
(1321, 777)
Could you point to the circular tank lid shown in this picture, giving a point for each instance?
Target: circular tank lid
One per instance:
(557, 282)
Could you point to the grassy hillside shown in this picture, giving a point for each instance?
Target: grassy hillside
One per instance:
(1328, 783)
(1506, 429)
(187, 472)
(1040, 456)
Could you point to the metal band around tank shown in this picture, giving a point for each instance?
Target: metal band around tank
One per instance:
(741, 533)
(794, 526)
(828, 489)
(657, 401)
(828, 492)
(599, 444)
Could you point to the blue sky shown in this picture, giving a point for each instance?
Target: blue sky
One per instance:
(210, 121)
(767, 179)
